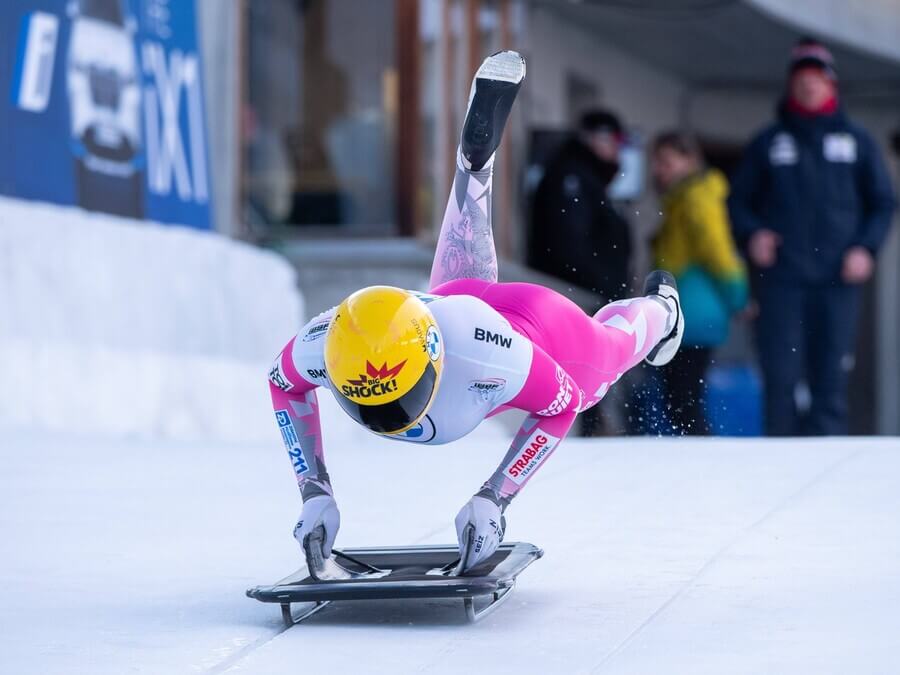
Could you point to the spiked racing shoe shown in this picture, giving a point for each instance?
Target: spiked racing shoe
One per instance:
(661, 286)
(494, 89)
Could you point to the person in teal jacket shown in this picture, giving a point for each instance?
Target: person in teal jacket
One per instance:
(694, 241)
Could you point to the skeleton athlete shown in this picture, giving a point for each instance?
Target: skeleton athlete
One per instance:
(429, 367)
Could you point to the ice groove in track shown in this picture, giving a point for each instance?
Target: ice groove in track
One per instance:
(233, 659)
(247, 650)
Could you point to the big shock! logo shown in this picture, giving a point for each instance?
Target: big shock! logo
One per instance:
(536, 449)
(374, 382)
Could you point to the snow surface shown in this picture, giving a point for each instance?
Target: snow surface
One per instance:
(662, 556)
(111, 325)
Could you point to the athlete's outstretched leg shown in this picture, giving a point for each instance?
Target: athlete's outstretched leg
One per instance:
(647, 328)
(465, 248)
(631, 329)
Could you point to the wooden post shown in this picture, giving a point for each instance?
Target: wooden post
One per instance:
(449, 132)
(474, 36)
(406, 174)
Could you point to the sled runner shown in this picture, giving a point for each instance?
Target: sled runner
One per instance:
(403, 572)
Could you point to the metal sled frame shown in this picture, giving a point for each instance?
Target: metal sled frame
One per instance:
(410, 572)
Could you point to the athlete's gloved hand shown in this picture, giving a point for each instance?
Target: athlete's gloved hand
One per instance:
(319, 511)
(479, 529)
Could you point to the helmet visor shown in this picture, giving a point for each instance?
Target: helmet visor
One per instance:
(388, 418)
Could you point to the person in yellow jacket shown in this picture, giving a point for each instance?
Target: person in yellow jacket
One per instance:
(695, 242)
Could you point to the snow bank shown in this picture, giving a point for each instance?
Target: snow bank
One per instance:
(114, 326)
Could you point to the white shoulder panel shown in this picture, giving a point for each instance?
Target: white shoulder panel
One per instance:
(309, 349)
(486, 364)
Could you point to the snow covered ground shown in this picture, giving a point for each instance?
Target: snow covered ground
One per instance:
(662, 556)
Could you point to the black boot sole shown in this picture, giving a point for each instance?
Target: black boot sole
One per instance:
(652, 284)
(486, 118)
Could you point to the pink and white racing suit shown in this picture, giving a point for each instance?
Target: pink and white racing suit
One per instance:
(506, 345)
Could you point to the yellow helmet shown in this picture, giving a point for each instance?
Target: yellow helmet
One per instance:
(383, 356)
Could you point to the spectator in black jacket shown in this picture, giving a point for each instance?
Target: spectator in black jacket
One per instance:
(576, 235)
(812, 203)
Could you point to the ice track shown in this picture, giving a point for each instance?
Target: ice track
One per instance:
(662, 556)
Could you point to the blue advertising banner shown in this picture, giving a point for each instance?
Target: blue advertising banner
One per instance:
(103, 107)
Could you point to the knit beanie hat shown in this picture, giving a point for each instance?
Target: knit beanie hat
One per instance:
(809, 53)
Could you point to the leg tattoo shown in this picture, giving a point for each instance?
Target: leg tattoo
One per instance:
(465, 247)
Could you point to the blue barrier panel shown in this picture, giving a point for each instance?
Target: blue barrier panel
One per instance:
(104, 107)
(734, 401)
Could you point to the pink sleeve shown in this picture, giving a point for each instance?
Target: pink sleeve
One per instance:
(296, 409)
(552, 398)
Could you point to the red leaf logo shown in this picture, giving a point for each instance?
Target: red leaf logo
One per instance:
(374, 374)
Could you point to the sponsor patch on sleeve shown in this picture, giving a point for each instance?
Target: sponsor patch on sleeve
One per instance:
(535, 450)
(291, 442)
(316, 331)
(277, 376)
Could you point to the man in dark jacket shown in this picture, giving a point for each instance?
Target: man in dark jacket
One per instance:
(576, 235)
(812, 202)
